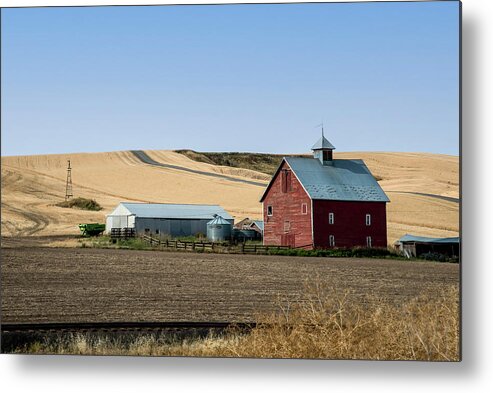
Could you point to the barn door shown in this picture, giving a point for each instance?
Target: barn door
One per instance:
(291, 241)
(288, 239)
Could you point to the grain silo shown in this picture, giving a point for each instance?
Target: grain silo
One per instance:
(219, 229)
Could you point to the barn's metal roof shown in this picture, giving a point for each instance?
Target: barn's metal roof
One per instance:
(322, 143)
(419, 239)
(218, 221)
(171, 210)
(344, 180)
(259, 223)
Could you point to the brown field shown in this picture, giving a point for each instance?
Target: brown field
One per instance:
(97, 285)
(32, 185)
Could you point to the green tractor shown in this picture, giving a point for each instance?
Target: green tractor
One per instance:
(92, 229)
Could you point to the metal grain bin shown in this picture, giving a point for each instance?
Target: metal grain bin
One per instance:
(219, 229)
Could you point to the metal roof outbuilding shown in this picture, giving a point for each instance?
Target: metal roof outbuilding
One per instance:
(171, 210)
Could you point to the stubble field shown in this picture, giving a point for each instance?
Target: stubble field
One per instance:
(423, 189)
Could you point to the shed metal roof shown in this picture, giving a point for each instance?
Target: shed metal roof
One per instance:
(171, 210)
(344, 180)
(419, 239)
(259, 223)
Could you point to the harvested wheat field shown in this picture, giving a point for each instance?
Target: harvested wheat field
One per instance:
(100, 285)
(423, 189)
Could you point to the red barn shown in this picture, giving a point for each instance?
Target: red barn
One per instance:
(322, 202)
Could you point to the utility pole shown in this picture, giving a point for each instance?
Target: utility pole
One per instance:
(68, 188)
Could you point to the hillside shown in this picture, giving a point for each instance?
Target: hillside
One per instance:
(33, 185)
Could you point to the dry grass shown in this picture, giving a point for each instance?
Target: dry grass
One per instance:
(81, 203)
(332, 325)
(326, 324)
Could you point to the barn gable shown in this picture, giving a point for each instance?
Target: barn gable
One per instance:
(287, 211)
(284, 164)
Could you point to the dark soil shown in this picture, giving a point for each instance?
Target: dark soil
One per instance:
(98, 285)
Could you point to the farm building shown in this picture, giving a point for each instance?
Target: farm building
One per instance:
(415, 246)
(248, 224)
(248, 229)
(165, 219)
(322, 202)
(243, 224)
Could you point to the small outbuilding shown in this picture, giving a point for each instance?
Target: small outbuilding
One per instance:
(165, 219)
(415, 246)
(258, 226)
(243, 223)
(248, 229)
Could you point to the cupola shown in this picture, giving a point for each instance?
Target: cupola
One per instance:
(322, 150)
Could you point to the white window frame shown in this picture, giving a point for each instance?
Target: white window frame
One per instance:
(304, 208)
(271, 210)
(368, 241)
(287, 226)
(332, 241)
(331, 218)
(368, 220)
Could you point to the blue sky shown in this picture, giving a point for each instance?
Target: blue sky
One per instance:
(381, 76)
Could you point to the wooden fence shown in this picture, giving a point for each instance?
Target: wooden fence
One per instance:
(122, 233)
(225, 247)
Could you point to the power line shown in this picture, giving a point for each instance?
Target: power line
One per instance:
(68, 187)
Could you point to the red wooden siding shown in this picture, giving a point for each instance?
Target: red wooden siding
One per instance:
(288, 225)
(349, 228)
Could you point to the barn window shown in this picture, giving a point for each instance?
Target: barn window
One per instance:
(286, 181)
(368, 241)
(269, 210)
(147, 230)
(368, 219)
(157, 231)
(287, 226)
(332, 241)
(304, 208)
(331, 218)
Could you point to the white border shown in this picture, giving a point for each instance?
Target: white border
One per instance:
(86, 374)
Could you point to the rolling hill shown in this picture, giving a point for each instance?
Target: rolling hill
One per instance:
(423, 188)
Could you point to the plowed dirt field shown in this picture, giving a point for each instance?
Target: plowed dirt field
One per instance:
(97, 285)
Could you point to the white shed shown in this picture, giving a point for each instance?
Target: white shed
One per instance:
(164, 219)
